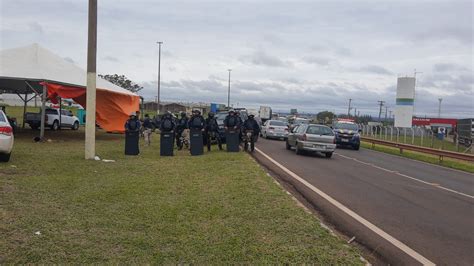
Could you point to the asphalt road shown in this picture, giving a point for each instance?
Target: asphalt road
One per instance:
(427, 207)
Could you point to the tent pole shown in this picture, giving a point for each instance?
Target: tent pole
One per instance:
(60, 113)
(24, 111)
(43, 112)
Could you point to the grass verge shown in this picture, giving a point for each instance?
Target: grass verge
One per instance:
(216, 208)
(447, 162)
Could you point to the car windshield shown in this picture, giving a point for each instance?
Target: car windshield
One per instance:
(301, 121)
(278, 123)
(51, 112)
(319, 130)
(221, 116)
(348, 126)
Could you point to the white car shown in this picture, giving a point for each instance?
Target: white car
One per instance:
(275, 129)
(53, 120)
(6, 138)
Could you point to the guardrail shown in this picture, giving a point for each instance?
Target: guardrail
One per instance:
(440, 153)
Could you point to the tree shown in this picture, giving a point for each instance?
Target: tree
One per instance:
(325, 117)
(122, 82)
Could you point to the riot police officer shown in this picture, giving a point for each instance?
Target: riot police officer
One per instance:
(212, 131)
(167, 127)
(250, 131)
(132, 135)
(167, 123)
(181, 130)
(196, 127)
(232, 134)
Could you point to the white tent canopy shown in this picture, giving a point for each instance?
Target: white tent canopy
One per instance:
(35, 64)
(26, 69)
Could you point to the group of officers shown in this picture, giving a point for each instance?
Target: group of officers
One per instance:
(194, 131)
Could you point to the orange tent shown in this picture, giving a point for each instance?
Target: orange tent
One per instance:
(112, 108)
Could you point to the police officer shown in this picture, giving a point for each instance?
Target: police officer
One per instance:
(167, 127)
(232, 128)
(196, 127)
(147, 129)
(167, 123)
(250, 129)
(231, 121)
(132, 135)
(181, 127)
(212, 131)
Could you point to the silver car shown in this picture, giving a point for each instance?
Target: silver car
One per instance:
(312, 138)
(274, 129)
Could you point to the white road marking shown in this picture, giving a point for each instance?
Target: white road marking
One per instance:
(397, 243)
(407, 176)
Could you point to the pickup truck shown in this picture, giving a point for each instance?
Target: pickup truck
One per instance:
(53, 120)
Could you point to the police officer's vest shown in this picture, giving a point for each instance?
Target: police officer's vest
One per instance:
(232, 121)
(213, 124)
(167, 125)
(197, 122)
(132, 124)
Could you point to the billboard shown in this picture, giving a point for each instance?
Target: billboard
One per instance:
(405, 102)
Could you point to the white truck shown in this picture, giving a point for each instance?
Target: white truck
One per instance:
(53, 120)
(265, 113)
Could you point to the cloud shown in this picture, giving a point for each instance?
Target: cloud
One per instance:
(36, 27)
(322, 61)
(375, 70)
(69, 59)
(110, 58)
(262, 58)
(447, 67)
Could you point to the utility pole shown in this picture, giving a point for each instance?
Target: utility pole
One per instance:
(159, 80)
(380, 110)
(91, 80)
(355, 112)
(414, 89)
(439, 107)
(228, 90)
(386, 111)
(349, 108)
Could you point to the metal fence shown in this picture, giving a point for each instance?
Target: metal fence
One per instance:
(420, 136)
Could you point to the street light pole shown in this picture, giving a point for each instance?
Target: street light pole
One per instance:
(91, 81)
(159, 80)
(349, 108)
(228, 91)
(439, 107)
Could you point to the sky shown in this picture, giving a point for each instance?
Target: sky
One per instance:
(309, 55)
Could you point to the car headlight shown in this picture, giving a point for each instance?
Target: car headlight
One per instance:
(356, 135)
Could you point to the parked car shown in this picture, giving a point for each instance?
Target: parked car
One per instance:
(6, 138)
(347, 134)
(312, 138)
(274, 129)
(53, 120)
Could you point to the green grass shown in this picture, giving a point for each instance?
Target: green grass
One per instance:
(428, 142)
(447, 162)
(212, 209)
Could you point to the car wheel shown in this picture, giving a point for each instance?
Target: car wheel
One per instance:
(298, 150)
(357, 147)
(34, 127)
(328, 154)
(55, 125)
(288, 146)
(75, 126)
(5, 157)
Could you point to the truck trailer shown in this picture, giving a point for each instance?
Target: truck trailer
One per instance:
(465, 130)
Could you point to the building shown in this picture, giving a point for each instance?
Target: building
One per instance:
(434, 123)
